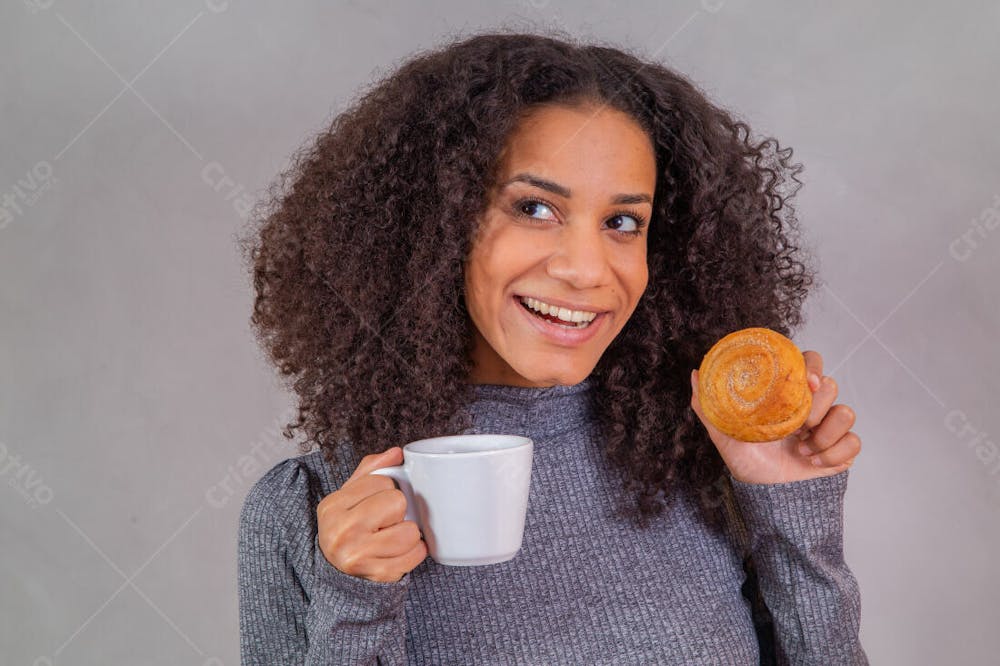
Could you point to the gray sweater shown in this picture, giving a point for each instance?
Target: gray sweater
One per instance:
(586, 587)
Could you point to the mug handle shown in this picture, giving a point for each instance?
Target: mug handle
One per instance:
(398, 474)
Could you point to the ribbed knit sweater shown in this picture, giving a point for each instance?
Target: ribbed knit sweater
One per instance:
(585, 588)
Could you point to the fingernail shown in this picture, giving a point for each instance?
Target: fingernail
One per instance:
(816, 461)
(813, 381)
(803, 449)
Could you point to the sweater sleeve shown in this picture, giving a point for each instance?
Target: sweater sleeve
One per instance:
(294, 606)
(795, 532)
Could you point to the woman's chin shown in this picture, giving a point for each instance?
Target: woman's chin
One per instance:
(546, 370)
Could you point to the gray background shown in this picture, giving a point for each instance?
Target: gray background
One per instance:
(136, 411)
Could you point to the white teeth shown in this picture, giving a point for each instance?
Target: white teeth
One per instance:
(579, 317)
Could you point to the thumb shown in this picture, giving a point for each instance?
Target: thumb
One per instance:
(370, 463)
(713, 433)
(695, 403)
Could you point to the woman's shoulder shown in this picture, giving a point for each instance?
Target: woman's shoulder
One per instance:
(287, 492)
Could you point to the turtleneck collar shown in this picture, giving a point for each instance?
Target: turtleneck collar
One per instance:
(536, 412)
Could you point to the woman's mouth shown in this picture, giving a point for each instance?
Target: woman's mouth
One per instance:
(552, 318)
(557, 330)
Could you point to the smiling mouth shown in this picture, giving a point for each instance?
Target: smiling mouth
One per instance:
(556, 320)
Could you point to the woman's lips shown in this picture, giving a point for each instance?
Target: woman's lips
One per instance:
(561, 334)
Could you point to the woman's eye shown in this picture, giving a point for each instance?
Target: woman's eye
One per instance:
(636, 223)
(525, 207)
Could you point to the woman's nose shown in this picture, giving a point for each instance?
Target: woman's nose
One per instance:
(580, 257)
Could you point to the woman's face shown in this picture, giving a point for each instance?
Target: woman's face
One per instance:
(565, 228)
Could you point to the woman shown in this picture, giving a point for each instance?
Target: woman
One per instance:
(410, 280)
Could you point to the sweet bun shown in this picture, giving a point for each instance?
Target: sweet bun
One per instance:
(752, 385)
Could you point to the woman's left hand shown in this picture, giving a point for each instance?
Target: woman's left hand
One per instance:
(827, 432)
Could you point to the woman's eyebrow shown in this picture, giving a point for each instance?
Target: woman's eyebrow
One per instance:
(564, 192)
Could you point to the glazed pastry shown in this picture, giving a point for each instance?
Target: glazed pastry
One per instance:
(752, 385)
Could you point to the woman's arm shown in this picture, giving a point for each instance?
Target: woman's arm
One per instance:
(763, 623)
(297, 608)
(795, 538)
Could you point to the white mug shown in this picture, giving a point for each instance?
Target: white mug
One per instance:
(468, 494)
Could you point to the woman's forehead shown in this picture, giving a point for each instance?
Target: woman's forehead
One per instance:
(582, 150)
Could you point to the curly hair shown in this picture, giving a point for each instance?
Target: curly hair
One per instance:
(356, 254)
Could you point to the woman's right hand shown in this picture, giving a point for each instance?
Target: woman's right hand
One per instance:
(361, 526)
